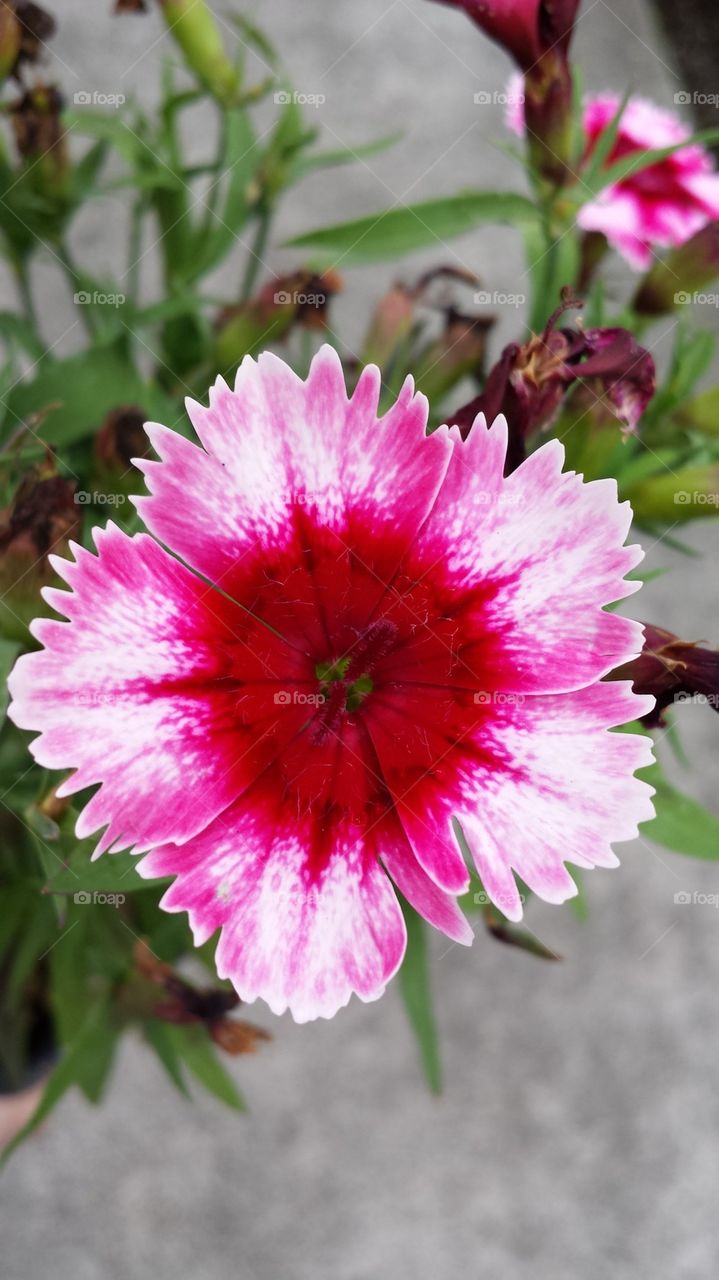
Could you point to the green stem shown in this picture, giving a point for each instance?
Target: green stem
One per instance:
(257, 252)
(133, 250)
(22, 279)
(62, 253)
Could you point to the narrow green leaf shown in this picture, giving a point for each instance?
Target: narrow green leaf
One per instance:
(414, 985)
(194, 1047)
(605, 143)
(156, 1034)
(76, 394)
(343, 155)
(630, 165)
(68, 1071)
(393, 232)
(681, 824)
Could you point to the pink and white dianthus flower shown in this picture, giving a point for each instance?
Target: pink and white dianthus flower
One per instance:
(661, 206)
(358, 633)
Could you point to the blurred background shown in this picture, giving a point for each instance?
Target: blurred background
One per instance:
(576, 1135)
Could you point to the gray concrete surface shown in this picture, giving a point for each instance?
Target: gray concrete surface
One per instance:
(578, 1133)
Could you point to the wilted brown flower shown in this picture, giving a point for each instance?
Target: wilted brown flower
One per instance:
(36, 121)
(37, 26)
(40, 520)
(122, 438)
(184, 1004)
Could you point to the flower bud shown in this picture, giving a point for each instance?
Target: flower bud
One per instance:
(676, 495)
(120, 439)
(672, 670)
(39, 521)
(390, 326)
(457, 353)
(672, 281)
(537, 34)
(195, 31)
(300, 299)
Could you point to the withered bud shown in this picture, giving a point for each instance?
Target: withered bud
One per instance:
(40, 520)
(36, 121)
(130, 6)
(122, 438)
(184, 1005)
(37, 26)
(672, 670)
(529, 381)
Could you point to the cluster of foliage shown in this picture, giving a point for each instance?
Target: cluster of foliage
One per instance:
(85, 951)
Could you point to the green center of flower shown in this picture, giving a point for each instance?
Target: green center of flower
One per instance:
(334, 674)
(346, 682)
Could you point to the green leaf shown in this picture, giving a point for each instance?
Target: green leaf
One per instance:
(254, 37)
(88, 1046)
(157, 1035)
(194, 1047)
(605, 144)
(393, 232)
(681, 824)
(628, 166)
(76, 394)
(239, 162)
(702, 413)
(16, 330)
(414, 985)
(113, 873)
(342, 155)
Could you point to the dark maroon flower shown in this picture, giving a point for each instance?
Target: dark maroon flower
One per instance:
(527, 29)
(672, 670)
(529, 382)
(537, 34)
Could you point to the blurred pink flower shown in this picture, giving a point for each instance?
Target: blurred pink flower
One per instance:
(659, 207)
(387, 635)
